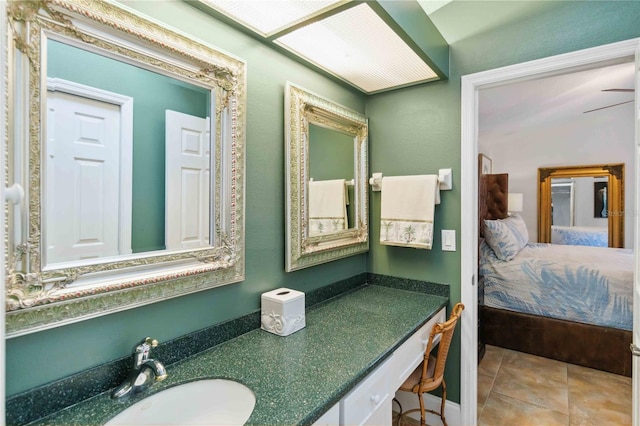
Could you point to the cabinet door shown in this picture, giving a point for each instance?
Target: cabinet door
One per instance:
(369, 403)
(411, 353)
(330, 418)
(382, 415)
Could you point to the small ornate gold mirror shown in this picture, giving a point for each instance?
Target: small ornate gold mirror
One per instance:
(588, 199)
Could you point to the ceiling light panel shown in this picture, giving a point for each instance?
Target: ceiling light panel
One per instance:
(359, 47)
(268, 17)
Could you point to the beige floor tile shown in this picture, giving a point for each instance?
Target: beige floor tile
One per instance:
(490, 363)
(503, 410)
(530, 390)
(596, 394)
(551, 369)
(579, 416)
(533, 387)
(485, 382)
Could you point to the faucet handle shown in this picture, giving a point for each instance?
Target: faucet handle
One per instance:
(152, 342)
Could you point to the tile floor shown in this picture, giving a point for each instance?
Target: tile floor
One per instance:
(515, 388)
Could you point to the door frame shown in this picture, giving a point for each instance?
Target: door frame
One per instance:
(4, 84)
(470, 86)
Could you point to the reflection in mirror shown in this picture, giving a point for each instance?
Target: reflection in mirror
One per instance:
(579, 212)
(331, 189)
(128, 141)
(326, 178)
(127, 173)
(582, 205)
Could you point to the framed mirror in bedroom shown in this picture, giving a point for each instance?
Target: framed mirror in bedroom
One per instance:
(581, 205)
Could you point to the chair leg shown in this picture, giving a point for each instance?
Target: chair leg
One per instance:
(423, 420)
(444, 400)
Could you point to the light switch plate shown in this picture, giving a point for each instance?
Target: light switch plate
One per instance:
(448, 240)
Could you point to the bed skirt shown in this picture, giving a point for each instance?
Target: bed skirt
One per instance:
(601, 348)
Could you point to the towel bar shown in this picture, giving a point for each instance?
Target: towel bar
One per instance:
(444, 179)
(346, 182)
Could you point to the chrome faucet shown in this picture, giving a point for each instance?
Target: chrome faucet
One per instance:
(144, 373)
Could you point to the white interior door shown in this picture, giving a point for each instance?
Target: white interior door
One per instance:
(636, 279)
(187, 180)
(83, 170)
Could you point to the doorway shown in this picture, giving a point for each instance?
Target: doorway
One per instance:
(471, 84)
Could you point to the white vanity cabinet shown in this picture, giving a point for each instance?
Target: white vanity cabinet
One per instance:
(330, 418)
(408, 356)
(369, 403)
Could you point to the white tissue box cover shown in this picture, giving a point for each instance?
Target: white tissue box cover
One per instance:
(282, 311)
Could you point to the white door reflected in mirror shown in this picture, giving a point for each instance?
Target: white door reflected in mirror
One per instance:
(88, 192)
(109, 190)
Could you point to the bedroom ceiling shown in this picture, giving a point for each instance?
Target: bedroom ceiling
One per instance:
(551, 101)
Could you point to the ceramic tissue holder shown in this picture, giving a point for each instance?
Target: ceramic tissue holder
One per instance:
(282, 311)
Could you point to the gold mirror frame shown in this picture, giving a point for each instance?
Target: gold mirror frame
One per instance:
(301, 109)
(615, 200)
(39, 298)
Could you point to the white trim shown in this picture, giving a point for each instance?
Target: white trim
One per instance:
(409, 401)
(635, 367)
(126, 148)
(471, 84)
(4, 61)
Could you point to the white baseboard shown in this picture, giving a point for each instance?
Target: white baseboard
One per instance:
(410, 401)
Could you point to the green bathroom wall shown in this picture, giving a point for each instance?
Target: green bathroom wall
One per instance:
(42, 357)
(152, 94)
(412, 131)
(417, 130)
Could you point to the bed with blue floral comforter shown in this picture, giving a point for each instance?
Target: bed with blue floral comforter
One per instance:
(592, 285)
(580, 235)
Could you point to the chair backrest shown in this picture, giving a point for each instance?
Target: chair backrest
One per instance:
(445, 330)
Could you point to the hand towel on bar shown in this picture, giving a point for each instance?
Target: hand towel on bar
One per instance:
(407, 209)
(327, 206)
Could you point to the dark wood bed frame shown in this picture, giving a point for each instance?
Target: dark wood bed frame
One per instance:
(592, 346)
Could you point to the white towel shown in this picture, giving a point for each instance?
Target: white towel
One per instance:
(407, 209)
(327, 206)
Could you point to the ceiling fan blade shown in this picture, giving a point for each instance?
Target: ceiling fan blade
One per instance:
(618, 90)
(608, 106)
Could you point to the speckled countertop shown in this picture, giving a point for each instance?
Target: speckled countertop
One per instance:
(298, 377)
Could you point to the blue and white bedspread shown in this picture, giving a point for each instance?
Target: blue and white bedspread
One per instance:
(592, 285)
(580, 235)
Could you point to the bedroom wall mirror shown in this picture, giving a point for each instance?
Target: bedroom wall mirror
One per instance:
(581, 205)
(326, 178)
(126, 155)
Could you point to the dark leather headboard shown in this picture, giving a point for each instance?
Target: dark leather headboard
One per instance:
(493, 193)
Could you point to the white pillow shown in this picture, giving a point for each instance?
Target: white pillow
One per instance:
(506, 236)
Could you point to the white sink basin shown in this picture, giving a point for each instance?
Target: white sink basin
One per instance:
(203, 402)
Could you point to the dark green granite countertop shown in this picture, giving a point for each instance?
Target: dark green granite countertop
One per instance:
(295, 378)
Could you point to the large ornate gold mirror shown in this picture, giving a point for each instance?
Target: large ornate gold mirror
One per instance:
(581, 205)
(326, 180)
(126, 161)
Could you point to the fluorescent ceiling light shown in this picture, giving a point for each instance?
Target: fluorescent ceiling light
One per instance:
(360, 43)
(269, 16)
(359, 47)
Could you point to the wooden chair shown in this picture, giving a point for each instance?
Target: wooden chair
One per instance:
(429, 375)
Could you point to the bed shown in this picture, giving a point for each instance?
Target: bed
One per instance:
(569, 303)
(580, 235)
